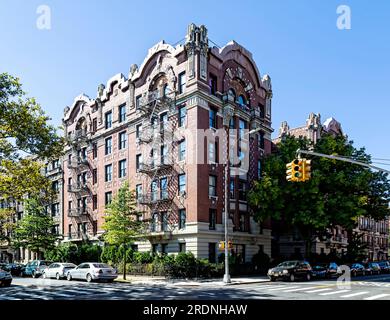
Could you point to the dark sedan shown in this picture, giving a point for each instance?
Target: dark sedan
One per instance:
(290, 271)
(372, 268)
(14, 268)
(385, 266)
(326, 270)
(357, 269)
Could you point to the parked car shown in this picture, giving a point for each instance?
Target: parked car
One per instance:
(15, 269)
(326, 270)
(372, 268)
(291, 270)
(357, 269)
(5, 278)
(385, 266)
(58, 270)
(35, 268)
(92, 271)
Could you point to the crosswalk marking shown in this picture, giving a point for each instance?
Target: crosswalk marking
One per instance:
(377, 296)
(299, 289)
(282, 288)
(318, 290)
(334, 292)
(354, 294)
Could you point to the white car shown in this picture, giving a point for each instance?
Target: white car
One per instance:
(92, 271)
(58, 270)
(5, 278)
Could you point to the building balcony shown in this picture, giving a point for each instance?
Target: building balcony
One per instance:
(154, 197)
(77, 162)
(79, 136)
(152, 99)
(78, 187)
(78, 236)
(154, 165)
(78, 212)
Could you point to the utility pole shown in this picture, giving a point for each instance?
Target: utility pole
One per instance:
(226, 277)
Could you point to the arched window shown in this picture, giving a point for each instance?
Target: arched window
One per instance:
(241, 101)
(166, 90)
(232, 94)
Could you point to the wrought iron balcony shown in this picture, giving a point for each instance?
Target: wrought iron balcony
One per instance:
(77, 162)
(78, 212)
(78, 187)
(154, 197)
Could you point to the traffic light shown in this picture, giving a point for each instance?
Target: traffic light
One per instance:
(297, 170)
(306, 170)
(221, 245)
(289, 175)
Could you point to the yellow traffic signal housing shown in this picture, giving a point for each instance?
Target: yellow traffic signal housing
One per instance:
(306, 170)
(297, 169)
(289, 175)
(221, 245)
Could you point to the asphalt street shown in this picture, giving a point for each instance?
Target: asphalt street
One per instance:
(361, 288)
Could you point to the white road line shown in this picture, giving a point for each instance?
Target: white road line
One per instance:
(334, 292)
(265, 286)
(282, 288)
(299, 289)
(318, 290)
(354, 294)
(377, 296)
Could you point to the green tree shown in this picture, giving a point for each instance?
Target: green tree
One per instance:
(7, 225)
(24, 127)
(337, 194)
(25, 139)
(121, 224)
(34, 231)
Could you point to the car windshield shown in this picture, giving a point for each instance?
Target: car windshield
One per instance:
(46, 263)
(101, 265)
(287, 264)
(69, 265)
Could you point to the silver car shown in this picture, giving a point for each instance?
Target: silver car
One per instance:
(92, 271)
(5, 278)
(58, 270)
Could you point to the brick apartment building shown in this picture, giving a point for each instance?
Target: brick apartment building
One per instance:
(146, 129)
(374, 234)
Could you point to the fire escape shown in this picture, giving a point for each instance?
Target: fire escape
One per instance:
(160, 165)
(79, 166)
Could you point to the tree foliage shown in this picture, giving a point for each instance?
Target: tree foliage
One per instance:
(24, 127)
(7, 225)
(34, 231)
(337, 194)
(121, 224)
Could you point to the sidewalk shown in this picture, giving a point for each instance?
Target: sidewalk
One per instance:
(191, 282)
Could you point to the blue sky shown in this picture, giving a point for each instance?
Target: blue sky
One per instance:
(314, 66)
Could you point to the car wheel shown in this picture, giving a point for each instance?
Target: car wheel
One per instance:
(58, 276)
(69, 277)
(308, 277)
(292, 277)
(273, 279)
(89, 278)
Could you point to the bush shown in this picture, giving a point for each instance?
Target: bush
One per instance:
(70, 252)
(142, 257)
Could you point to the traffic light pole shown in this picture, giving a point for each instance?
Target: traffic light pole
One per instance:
(317, 154)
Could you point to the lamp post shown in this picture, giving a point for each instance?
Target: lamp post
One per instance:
(227, 115)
